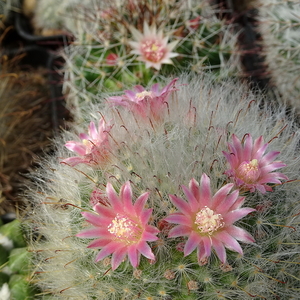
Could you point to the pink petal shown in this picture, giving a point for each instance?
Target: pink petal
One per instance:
(126, 196)
(151, 229)
(260, 152)
(246, 153)
(93, 131)
(133, 256)
(273, 178)
(236, 215)
(145, 250)
(195, 190)
(229, 241)
(205, 195)
(181, 205)
(145, 216)
(201, 252)
(269, 157)
(237, 145)
(178, 219)
(228, 202)
(147, 236)
(192, 243)
(108, 249)
(179, 230)
(193, 202)
(99, 243)
(221, 194)
(258, 143)
(220, 249)
(92, 218)
(112, 196)
(76, 147)
(73, 161)
(89, 233)
(140, 203)
(118, 257)
(240, 234)
(105, 211)
(207, 245)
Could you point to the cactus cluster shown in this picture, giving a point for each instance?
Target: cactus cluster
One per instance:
(119, 43)
(170, 193)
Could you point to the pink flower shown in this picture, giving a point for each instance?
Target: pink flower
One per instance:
(94, 148)
(208, 220)
(250, 168)
(121, 228)
(146, 103)
(152, 47)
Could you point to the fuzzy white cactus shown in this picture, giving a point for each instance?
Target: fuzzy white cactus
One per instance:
(155, 155)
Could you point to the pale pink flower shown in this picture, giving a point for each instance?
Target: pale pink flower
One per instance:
(208, 220)
(93, 148)
(250, 168)
(152, 47)
(121, 228)
(150, 103)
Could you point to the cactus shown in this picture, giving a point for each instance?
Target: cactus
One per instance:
(173, 193)
(140, 42)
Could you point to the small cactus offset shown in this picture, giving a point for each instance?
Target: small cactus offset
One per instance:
(139, 42)
(186, 189)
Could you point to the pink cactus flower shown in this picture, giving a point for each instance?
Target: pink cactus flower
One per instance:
(250, 168)
(121, 228)
(145, 103)
(93, 148)
(152, 47)
(208, 220)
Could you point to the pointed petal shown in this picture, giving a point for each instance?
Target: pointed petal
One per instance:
(93, 131)
(205, 194)
(92, 218)
(229, 241)
(118, 257)
(133, 256)
(181, 204)
(99, 243)
(178, 219)
(220, 249)
(112, 196)
(107, 250)
(149, 237)
(240, 234)
(246, 153)
(126, 197)
(89, 233)
(236, 215)
(220, 195)
(269, 157)
(207, 245)
(179, 230)
(227, 203)
(76, 147)
(195, 190)
(145, 250)
(140, 203)
(145, 216)
(192, 243)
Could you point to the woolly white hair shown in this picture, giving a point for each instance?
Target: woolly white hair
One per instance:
(200, 119)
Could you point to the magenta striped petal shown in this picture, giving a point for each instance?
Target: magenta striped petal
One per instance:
(107, 250)
(229, 241)
(219, 248)
(93, 232)
(207, 245)
(99, 243)
(195, 190)
(178, 219)
(240, 234)
(236, 215)
(145, 250)
(192, 243)
(271, 167)
(147, 236)
(117, 257)
(140, 203)
(126, 196)
(145, 216)
(112, 196)
(181, 204)
(133, 255)
(246, 153)
(269, 157)
(220, 195)
(192, 200)
(92, 218)
(201, 255)
(105, 211)
(205, 194)
(258, 143)
(227, 203)
(179, 230)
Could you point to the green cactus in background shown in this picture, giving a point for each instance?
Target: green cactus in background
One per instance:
(174, 195)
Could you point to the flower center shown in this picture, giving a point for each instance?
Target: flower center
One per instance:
(248, 171)
(207, 221)
(123, 228)
(141, 96)
(153, 50)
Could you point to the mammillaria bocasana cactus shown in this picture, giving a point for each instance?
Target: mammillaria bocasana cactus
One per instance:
(166, 212)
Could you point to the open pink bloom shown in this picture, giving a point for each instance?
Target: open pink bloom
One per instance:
(250, 168)
(146, 103)
(122, 228)
(93, 148)
(152, 47)
(208, 220)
